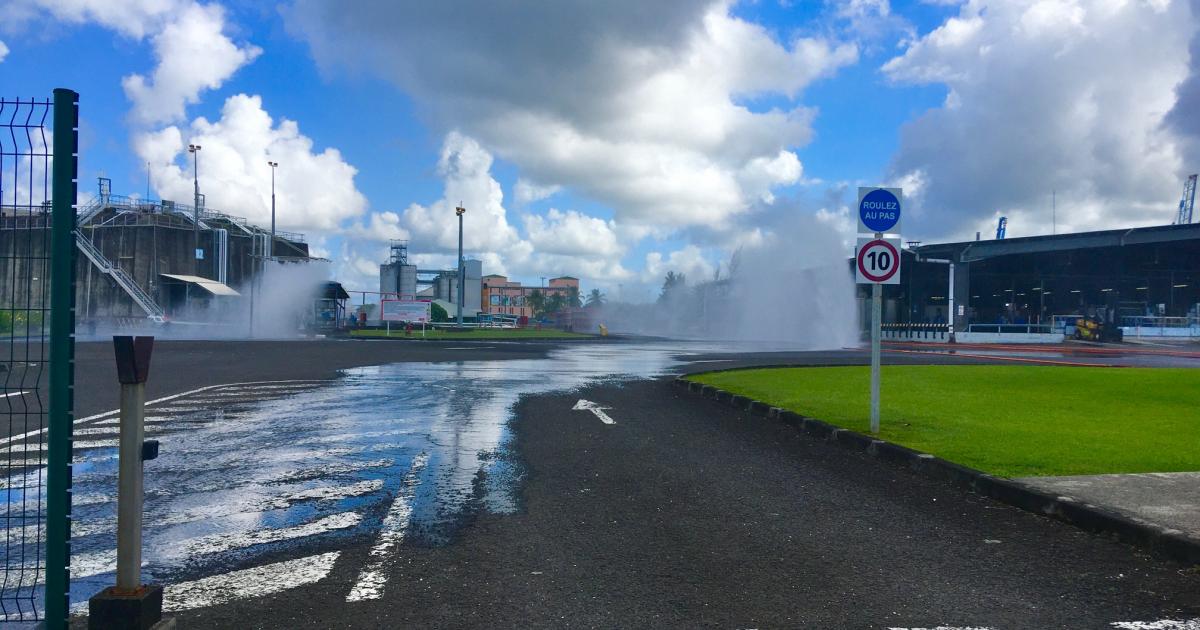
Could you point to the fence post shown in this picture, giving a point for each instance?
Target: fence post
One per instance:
(61, 388)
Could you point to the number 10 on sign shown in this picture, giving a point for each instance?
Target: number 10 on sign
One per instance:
(878, 261)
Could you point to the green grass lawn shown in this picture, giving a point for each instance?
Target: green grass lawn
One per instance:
(1013, 421)
(479, 333)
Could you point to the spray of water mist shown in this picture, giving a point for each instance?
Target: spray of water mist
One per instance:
(792, 290)
(278, 304)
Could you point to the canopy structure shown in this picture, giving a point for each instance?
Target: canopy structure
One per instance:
(212, 286)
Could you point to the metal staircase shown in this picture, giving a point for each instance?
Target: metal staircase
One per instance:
(140, 297)
(89, 212)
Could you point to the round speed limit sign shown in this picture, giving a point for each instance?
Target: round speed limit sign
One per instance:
(878, 261)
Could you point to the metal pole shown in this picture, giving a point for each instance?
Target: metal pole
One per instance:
(129, 487)
(61, 388)
(271, 247)
(876, 320)
(195, 151)
(462, 270)
(950, 297)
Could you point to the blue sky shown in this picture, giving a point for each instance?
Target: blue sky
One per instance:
(384, 127)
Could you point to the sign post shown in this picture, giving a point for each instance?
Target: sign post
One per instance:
(877, 262)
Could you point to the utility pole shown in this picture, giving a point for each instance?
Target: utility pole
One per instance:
(271, 247)
(194, 149)
(462, 268)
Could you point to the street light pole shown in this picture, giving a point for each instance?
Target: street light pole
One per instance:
(194, 149)
(462, 269)
(271, 247)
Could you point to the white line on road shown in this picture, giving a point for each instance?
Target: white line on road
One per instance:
(101, 562)
(587, 405)
(255, 582)
(97, 416)
(944, 628)
(372, 578)
(1162, 624)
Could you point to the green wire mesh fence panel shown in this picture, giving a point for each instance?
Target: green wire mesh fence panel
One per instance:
(33, 572)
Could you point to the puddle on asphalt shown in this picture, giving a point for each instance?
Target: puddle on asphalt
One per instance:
(263, 471)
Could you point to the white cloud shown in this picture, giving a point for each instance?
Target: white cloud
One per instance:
(640, 106)
(688, 260)
(466, 169)
(526, 192)
(193, 54)
(314, 189)
(3, 51)
(131, 18)
(192, 49)
(1043, 96)
(572, 233)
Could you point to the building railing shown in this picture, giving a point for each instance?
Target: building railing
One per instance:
(97, 205)
(1011, 328)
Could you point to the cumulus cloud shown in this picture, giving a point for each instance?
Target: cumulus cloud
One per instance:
(131, 18)
(1044, 96)
(573, 233)
(314, 188)
(526, 192)
(465, 167)
(3, 51)
(688, 260)
(194, 54)
(1184, 118)
(641, 106)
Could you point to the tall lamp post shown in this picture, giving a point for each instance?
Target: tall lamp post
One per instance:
(462, 269)
(194, 149)
(271, 247)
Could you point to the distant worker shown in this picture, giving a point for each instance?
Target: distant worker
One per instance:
(603, 330)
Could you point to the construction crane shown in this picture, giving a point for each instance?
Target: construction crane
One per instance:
(1001, 228)
(1187, 202)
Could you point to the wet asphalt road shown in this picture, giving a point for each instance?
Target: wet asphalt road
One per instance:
(690, 514)
(683, 514)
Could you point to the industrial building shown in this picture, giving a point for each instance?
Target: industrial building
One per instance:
(503, 297)
(137, 260)
(1147, 277)
(401, 280)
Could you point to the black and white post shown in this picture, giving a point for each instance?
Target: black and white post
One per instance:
(130, 604)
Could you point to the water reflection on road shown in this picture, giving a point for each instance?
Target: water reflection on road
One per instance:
(280, 469)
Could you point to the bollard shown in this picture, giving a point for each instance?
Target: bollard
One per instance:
(130, 604)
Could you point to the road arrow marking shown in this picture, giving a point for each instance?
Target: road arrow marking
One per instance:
(587, 405)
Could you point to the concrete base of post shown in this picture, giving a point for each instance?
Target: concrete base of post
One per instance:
(140, 610)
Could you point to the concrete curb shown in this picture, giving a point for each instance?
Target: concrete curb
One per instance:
(1164, 542)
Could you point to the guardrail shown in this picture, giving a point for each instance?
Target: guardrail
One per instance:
(1011, 328)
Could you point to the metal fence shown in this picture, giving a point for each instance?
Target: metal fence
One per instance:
(38, 146)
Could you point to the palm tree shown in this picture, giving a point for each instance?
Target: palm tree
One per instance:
(536, 301)
(670, 283)
(595, 299)
(573, 300)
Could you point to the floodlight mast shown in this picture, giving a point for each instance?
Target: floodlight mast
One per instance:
(462, 268)
(194, 149)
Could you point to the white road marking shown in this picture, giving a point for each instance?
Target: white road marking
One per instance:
(13, 394)
(372, 577)
(97, 416)
(255, 582)
(1162, 624)
(101, 562)
(587, 405)
(943, 628)
(217, 543)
